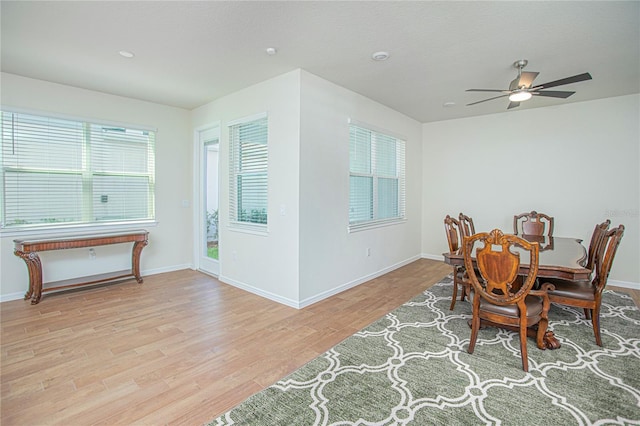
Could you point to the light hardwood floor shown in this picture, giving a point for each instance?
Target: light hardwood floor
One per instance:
(181, 348)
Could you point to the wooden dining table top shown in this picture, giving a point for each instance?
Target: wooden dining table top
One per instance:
(558, 257)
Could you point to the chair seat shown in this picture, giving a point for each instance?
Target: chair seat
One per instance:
(582, 290)
(533, 303)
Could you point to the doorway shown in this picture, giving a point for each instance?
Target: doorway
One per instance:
(208, 246)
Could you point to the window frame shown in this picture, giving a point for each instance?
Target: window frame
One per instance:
(86, 223)
(400, 157)
(234, 223)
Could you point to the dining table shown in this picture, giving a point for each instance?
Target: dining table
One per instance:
(558, 257)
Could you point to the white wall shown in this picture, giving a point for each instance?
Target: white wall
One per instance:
(331, 259)
(308, 253)
(263, 264)
(170, 241)
(577, 162)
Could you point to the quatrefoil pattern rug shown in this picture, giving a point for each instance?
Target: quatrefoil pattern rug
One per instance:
(412, 368)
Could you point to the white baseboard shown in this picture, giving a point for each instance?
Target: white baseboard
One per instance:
(12, 296)
(259, 292)
(339, 289)
(320, 296)
(167, 269)
(624, 284)
(432, 256)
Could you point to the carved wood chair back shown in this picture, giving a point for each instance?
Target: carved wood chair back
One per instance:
(466, 225)
(533, 223)
(596, 240)
(454, 239)
(500, 297)
(452, 229)
(604, 258)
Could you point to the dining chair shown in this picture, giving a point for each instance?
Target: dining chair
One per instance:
(460, 279)
(499, 297)
(466, 225)
(596, 240)
(533, 223)
(588, 294)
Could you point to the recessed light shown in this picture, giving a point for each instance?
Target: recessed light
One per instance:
(380, 56)
(449, 104)
(126, 54)
(271, 51)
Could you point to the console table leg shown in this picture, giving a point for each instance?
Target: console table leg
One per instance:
(34, 266)
(135, 258)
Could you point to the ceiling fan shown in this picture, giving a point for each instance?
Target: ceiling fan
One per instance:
(522, 89)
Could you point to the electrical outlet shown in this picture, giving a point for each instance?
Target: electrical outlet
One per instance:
(92, 254)
(368, 252)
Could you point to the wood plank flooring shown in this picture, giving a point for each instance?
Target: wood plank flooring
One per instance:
(181, 348)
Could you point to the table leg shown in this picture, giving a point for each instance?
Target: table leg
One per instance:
(34, 266)
(135, 258)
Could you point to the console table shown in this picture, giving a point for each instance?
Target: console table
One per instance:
(28, 250)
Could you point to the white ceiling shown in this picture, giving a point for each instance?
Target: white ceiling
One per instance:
(190, 53)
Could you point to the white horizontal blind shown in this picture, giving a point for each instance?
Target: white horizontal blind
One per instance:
(376, 177)
(60, 171)
(248, 172)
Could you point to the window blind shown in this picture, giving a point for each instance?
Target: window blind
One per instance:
(376, 177)
(248, 172)
(61, 172)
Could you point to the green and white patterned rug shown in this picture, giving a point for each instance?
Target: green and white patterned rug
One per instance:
(412, 367)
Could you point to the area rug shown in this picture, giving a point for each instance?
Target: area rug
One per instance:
(412, 368)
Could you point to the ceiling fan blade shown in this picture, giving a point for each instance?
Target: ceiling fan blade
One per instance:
(485, 100)
(568, 80)
(513, 105)
(526, 78)
(487, 90)
(514, 84)
(554, 94)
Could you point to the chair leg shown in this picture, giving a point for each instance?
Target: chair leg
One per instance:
(523, 345)
(455, 292)
(587, 313)
(475, 325)
(595, 320)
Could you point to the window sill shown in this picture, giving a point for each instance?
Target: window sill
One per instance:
(249, 229)
(77, 229)
(372, 225)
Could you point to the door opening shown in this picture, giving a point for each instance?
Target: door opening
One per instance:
(209, 235)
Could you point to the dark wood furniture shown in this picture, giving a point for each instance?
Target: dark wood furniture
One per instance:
(454, 238)
(28, 250)
(596, 241)
(588, 294)
(533, 223)
(563, 258)
(466, 225)
(498, 299)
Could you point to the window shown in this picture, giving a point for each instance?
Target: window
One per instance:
(376, 177)
(248, 172)
(68, 172)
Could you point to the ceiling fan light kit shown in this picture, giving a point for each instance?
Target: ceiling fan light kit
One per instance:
(522, 89)
(520, 96)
